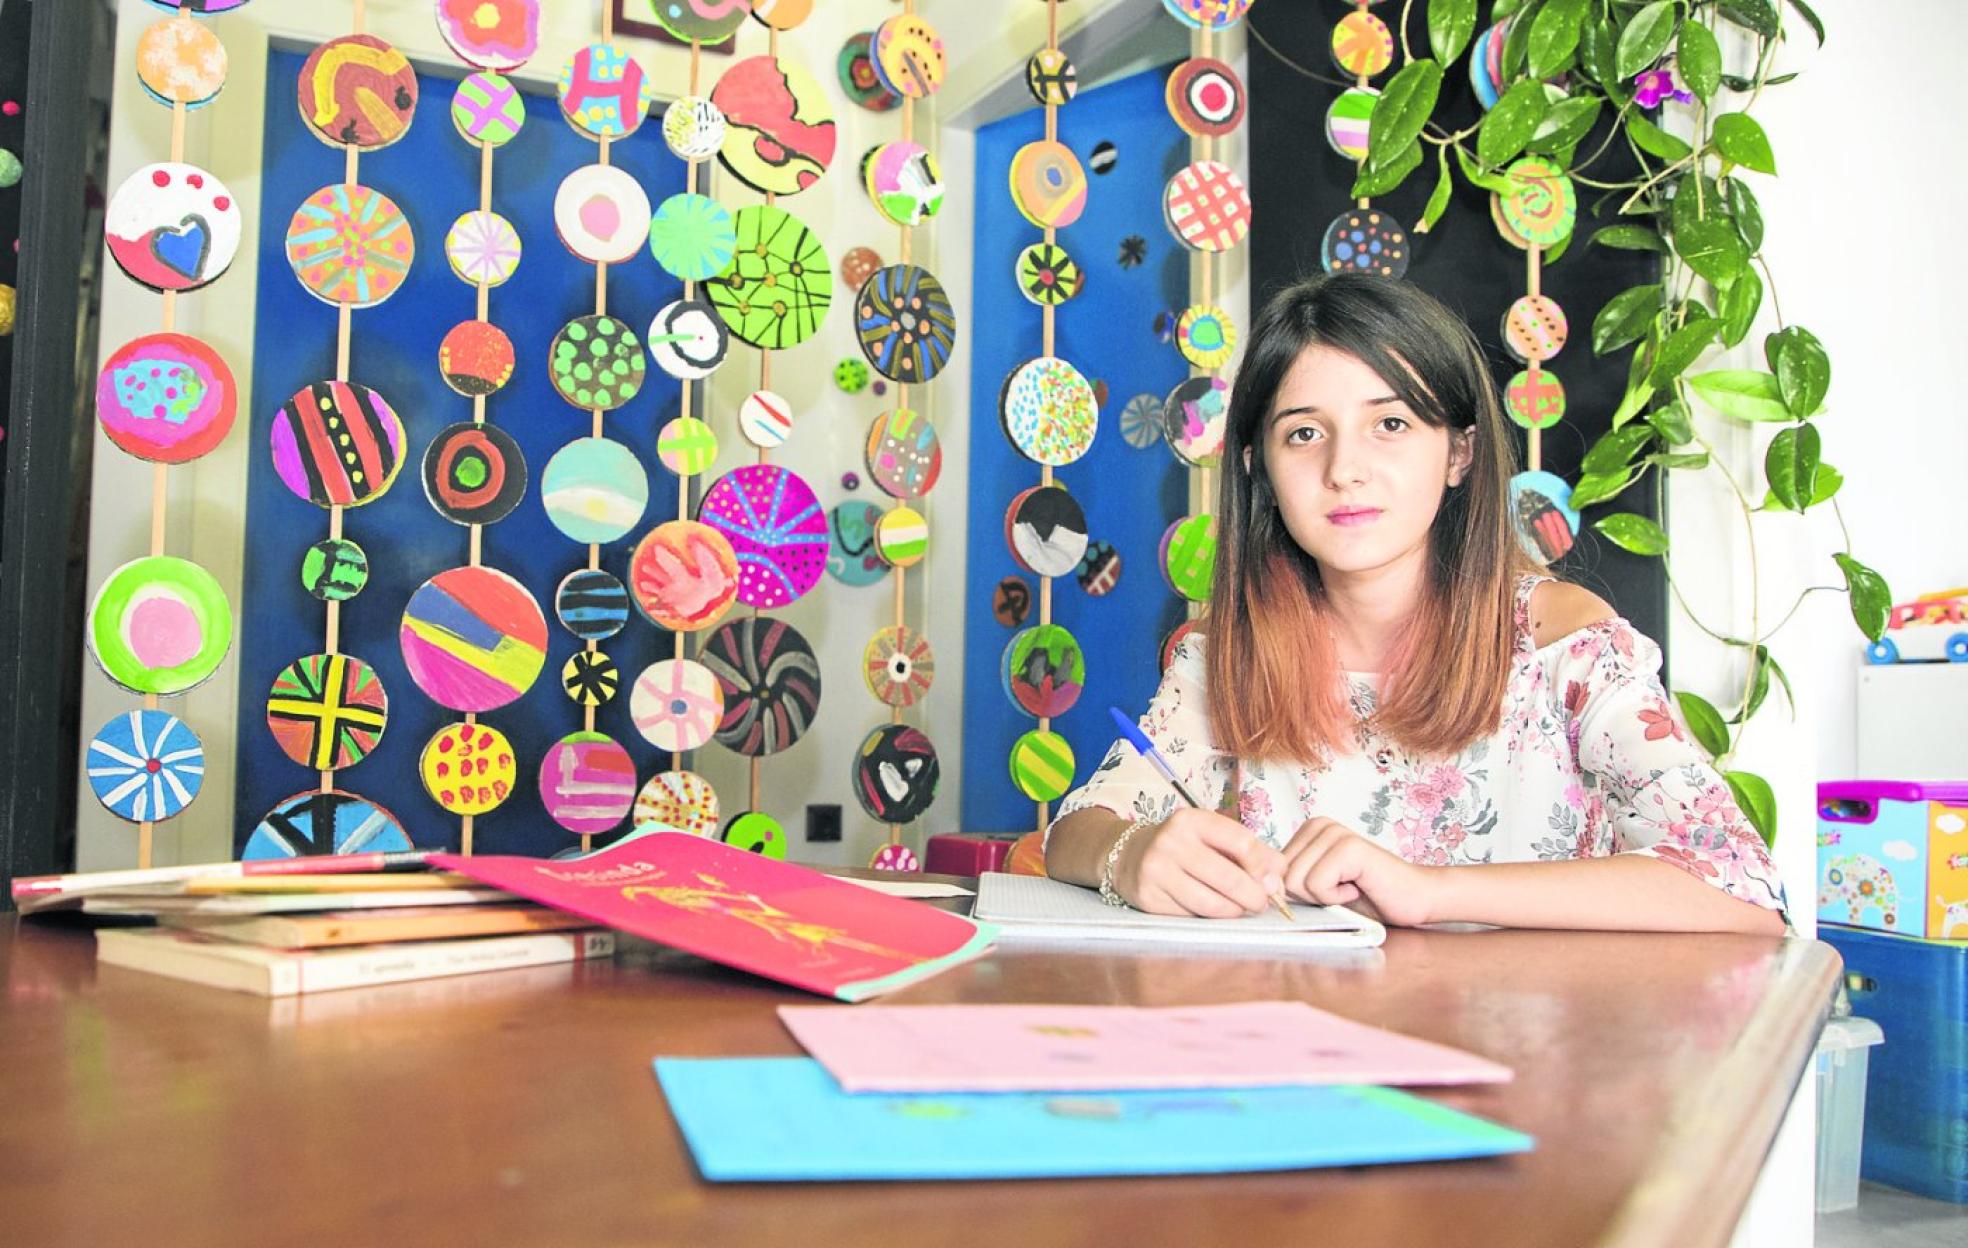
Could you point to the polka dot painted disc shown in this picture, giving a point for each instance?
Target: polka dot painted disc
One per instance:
(145, 765)
(327, 711)
(857, 265)
(779, 284)
(1534, 328)
(851, 555)
(1207, 207)
(1213, 14)
(765, 420)
(1206, 97)
(903, 454)
(1100, 571)
(1544, 207)
(1048, 185)
(595, 362)
(677, 705)
(851, 376)
(687, 446)
(1047, 275)
(1141, 421)
(902, 537)
(895, 858)
(167, 398)
(159, 625)
(693, 127)
(687, 340)
(483, 248)
(779, 125)
(313, 823)
(1362, 45)
(771, 683)
(1042, 765)
(1349, 122)
(591, 604)
(469, 769)
(1541, 515)
(909, 57)
(334, 569)
(1188, 555)
(587, 783)
(476, 358)
(604, 92)
(590, 678)
(1051, 78)
(776, 529)
(898, 666)
(601, 214)
(1206, 336)
(172, 226)
(350, 245)
(491, 34)
(692, 237)
(1046, 530)
(487, 110)
(1365, 240)
(1535, 400)
(474, 473)
(473, 639)
(357, 91)
(680, 800)
(337, 444)
(756, 832)
(1194, 418)
(905, 323)
(1048, 411)
(594, 490)
(1043, 670)
(896, 774)
(683, 576)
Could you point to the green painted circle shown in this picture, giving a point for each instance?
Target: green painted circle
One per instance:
(159, 625)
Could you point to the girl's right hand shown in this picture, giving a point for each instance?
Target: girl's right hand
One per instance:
(1197, 862)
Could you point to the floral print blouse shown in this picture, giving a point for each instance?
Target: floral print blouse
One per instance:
(1590, 759)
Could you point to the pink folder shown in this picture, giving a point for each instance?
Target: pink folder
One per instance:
(1069, 1048)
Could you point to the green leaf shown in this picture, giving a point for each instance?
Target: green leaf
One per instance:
(1554, 36)
(1644, 39)
(1758, 802)
(1776, 669)
(1635, 533)
(1595, 51)
(1377, 179)
(1631, 238)
(1870, 597)
(1517, 40)
(1791, 466)
(1597, 487)
(1508, 126)
(1757, 15)
(1699, 59)
(1747, 212)
(1672, 422)
(1744, 394)
(1705, 722)
(1803, 369)
(1698, 459)
(1556, 252)
(1450, 23)
(1568, 122)
(1438, 199)
(1696, 199)
(1402, 110)
(1625, 318)
(1739, 305)
(1504, 8)
(1817, 27)
(1740, 138)
(1829, 479)
(1653, 140)
(1633, 401)
(1615, 449)
(1713, 249)
(1478, 176)
(1682, 348)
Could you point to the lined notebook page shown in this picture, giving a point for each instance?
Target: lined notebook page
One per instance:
(1028, 904)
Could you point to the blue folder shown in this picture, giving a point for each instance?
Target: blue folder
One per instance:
(786, 1120)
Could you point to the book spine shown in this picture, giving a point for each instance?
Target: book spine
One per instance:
(389, 964)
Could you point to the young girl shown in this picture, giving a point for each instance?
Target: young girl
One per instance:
(1410, 718)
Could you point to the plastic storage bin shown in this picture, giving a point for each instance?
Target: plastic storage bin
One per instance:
(1843, 1053)
(1916, 1105)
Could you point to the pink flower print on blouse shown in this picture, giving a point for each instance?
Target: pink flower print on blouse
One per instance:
(1660, 723)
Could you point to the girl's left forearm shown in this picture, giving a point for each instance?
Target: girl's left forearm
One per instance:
(1626, 892)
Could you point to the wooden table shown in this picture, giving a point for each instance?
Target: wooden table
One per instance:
(518, 1107)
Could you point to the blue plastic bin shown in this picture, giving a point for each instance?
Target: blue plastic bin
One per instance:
(1916, 1109)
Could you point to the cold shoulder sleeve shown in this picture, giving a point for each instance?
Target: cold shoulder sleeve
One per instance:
(1664, 798)
(1178, 723)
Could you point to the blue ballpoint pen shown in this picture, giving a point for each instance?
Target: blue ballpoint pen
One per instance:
(1132, 734)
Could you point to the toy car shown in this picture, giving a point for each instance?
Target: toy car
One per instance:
(1933, 629)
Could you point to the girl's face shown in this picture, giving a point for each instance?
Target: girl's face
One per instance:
(1359, 476)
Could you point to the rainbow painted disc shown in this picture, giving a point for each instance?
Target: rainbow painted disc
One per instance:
(473, 639)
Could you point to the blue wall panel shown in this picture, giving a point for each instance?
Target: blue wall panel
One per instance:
(1130, 495)
(433, 175)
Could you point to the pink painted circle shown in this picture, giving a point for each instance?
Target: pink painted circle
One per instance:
(777, 529)
(167, 398)
(1207, 207)
(587, 783)
(895, 858)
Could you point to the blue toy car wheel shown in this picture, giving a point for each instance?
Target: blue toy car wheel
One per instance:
(1957, 648)
(1882, 652)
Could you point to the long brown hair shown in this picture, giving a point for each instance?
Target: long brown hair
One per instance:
(1275, 688)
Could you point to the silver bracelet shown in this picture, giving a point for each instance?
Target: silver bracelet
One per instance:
(1107, 893)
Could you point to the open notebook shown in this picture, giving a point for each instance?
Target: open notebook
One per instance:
(1030, 907)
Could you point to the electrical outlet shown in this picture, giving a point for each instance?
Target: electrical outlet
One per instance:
(823, 823)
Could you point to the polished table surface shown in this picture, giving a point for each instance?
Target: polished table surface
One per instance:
(518, 1107)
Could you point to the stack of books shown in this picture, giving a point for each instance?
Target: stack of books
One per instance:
(299, 926)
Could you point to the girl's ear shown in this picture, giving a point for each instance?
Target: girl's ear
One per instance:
(1462, 453)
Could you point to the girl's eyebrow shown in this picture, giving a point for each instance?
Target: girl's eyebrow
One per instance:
(1383, 401)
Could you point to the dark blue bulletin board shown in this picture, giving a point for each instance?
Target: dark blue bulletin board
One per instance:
(1130, 495)
(432, 174)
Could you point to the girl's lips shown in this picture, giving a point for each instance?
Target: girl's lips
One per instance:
(1354, 515)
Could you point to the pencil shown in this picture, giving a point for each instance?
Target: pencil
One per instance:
(1146, 748)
